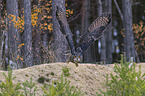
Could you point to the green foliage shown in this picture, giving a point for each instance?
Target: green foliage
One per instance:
(139, 37)
(65, 71)
(52, 73)
(8, 88)
(41, 79)
(52, 90)
(31, 86)
(47, 80)
(126, 82)
(62, 88)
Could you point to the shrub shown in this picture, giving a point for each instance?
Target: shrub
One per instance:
(126, 82)
(31, 86)
(8, 88)
(62, 88)
(28, 88)
(65, 71)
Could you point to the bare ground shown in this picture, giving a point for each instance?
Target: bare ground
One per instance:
(88, 77)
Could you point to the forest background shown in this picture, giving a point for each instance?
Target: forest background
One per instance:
(30, 33)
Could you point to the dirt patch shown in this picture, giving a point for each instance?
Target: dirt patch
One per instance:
(88, 77)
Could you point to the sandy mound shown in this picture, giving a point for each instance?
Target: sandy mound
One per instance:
(87, 77)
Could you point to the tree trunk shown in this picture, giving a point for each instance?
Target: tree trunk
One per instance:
(60, 43)
(21, 2)
(127, 21)
(28, 33)
(37, 39)
(108, 8)
(13, 35)
(1, 36)
(0, 17)
(85, 23)
(103, 42)
(22, 37)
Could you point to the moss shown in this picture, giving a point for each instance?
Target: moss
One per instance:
(41, 79)
(52, 73)
(55, 82)
(26, 75)
(47, 80)
(47, 74)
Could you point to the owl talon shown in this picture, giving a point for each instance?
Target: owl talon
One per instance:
(77, 64)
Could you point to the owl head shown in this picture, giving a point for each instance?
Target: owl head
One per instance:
(77, 57)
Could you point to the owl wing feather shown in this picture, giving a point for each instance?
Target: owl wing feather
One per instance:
(94, 32)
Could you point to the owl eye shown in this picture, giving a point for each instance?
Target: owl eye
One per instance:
(79, 57)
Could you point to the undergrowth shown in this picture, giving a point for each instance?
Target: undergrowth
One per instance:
(8, 88)
(126, 82)
(63, 88)
(65, 71)
(28, 88)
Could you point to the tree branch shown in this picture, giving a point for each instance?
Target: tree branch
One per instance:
(118, 9)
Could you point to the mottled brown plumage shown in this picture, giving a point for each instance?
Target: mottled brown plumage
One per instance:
(92, 34)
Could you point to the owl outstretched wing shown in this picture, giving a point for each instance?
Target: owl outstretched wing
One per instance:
(94, 32)
(64, 27)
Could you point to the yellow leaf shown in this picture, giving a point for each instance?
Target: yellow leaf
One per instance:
(18, 56)
(21, 58)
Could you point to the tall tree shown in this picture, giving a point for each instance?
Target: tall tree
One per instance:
(127, 21)
(28, 33)
(60, 43)
(0, 34)
(85, 23)
(108, 8)
(45, 34)
(0, 14)
(103, 42)
(22, 37)
(37, 37)
(13, 35)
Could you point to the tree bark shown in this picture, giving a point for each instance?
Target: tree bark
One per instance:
(37, 38)
(103, 42)
(108, 8)
(60, 43)
(28, 33)
(127, 21)
(1, 35)
(13, 35)
(0, 16)
(87, 57)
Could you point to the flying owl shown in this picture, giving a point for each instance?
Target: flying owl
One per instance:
(93, 33)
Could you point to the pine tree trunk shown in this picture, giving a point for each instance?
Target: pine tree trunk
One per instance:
(60, 42)
(13, 35)
(28, 33)
(37, 39)
(129, 37)
(103, 42)
(85, 23)
(1, 36)
(108, 8)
